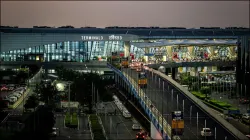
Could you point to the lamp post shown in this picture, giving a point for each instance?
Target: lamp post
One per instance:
(69, 83)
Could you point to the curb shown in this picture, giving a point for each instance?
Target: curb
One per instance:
(103, 130)
(92, 137)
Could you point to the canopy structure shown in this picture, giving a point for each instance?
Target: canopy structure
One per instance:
(184, 42)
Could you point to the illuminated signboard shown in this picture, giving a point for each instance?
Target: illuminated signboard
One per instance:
(102, 37)
(177, 115)
(92, 37)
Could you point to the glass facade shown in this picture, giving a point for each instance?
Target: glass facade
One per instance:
(73, 51)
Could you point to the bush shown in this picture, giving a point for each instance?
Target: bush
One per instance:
(220, 104)
(184, 77)
(199, 95)
(67, 119)
(205, 90)
(71, 120)
(213, 106)
(74, 119)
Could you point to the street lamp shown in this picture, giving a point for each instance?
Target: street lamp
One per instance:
(28, 74)
(69, 83)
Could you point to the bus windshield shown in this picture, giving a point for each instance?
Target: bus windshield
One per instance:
(142, 75)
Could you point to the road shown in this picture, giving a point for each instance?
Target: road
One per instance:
(122, 131)
(166, 103)
(82, 133)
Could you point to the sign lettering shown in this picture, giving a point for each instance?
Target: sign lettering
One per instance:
(92, 37)
(113, 37)
(100, 38)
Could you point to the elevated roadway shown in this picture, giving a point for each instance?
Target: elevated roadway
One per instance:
(193, 64)
(164, 98)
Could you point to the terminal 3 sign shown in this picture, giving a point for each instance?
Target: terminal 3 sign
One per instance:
(124, 37)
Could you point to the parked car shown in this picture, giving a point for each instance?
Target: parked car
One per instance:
(4, 87)
(16, 95)
(12, 99)
(11, 87)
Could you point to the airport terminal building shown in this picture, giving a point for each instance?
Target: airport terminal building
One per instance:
(80, 45)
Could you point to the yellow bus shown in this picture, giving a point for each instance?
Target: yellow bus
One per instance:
(124, 62)
(142, 80)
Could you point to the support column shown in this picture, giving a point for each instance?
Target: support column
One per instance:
(167, 70)
(146, 56)
(127, 48)
(243, 66)
(174, 73)
(169, 52)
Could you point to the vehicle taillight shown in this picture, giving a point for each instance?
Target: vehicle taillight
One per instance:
(143, 136)
(136, 136)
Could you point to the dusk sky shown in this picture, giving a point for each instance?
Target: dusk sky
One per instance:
(126, 13)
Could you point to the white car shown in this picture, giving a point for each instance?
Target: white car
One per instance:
(126, 114)
(17, 95)
(21, 90)
(53, 134)
(136, 126)
(245, 116)
(12, 99)
(206, 132)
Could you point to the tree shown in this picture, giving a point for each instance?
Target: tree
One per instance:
(47, 92)
(45, 119)
(2, 105)
(205, 90)
(21, 76)
(81, 89)
(32, 102)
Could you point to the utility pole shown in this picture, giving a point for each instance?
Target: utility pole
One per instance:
(69, 83)
(69, 99)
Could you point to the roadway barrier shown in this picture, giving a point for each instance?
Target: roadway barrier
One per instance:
(103, 130)
(90, 126)
(155, 116)
(201, 105)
